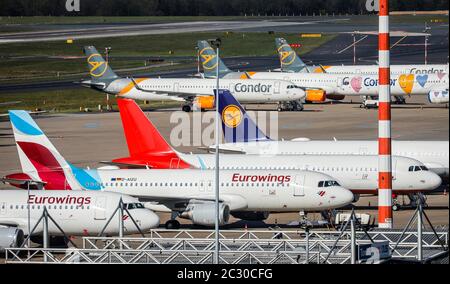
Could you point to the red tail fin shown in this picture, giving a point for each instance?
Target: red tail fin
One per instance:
(145, 144)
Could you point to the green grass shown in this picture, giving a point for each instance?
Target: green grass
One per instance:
(69, 100)
(43, 61)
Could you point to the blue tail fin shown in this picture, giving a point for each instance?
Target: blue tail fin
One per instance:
(236, 124)
(290, 62)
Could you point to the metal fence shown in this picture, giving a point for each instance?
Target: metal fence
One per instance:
(237, 247)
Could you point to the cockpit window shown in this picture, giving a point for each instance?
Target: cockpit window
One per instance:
(417, 168)
(328, 183)
(131, 206)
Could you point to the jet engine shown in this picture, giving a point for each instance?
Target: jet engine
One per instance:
(438, 97)
(336, 97)
(204, 102)
(204, 214)
(356, 198)
(11, 238)
(315, 95)
(251, 216)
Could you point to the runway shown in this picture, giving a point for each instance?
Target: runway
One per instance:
(109, 31)
(407, 52)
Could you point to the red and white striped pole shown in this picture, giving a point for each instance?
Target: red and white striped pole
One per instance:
(384, 122)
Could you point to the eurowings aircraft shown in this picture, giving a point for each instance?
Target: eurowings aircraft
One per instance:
(77, 213)
(358, 173)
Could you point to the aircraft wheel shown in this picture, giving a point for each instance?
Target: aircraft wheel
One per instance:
(279, 109)
(172, 225)
(395, 207)
(187, 108)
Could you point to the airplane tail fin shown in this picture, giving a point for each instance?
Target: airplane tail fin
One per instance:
(146, 145)
(99, 69)
(290, 61)
(39, 159)
(236, 124)
(210, 60)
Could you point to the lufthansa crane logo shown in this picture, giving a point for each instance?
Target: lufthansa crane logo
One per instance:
(286, 57)
(232, 116)
(97, 66)
(208, 58)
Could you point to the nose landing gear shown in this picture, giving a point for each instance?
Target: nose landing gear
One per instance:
(290, 106)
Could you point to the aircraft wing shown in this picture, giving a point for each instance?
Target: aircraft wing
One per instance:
(235, 202)
(178, 94)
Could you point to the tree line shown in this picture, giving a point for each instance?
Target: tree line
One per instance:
(205, 7)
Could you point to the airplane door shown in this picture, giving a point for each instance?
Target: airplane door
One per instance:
(231, 88)
(299, 185)
(100, 208)
(277, 88)
(394, 169)
(176, 87)
(3, 208)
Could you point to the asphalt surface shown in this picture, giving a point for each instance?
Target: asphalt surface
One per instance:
(99, 31)
(335, 52)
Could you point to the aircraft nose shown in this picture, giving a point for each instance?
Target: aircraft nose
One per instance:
(433, 180)
(343, 197)
(153, 220)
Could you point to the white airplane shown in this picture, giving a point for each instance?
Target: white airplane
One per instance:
(188, 193)
(320, 86)
(251, 140)
(291, 62)
(196, 93)
(78, 213)
(358, 173)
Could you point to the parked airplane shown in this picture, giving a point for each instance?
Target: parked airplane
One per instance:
(319, 87)
(291, 62)
(77, 213)
(195, 93)
(357, 173)
(249, 139)
(187, 193)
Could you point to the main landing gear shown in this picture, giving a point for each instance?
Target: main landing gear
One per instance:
(173, 224)
(290, 106)
(187, 108)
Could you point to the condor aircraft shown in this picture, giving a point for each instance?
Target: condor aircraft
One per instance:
(187, 193)
(249, 139)
(78, 213)
(291, 62)
(193, 92)
(357, 173)
(319, 87)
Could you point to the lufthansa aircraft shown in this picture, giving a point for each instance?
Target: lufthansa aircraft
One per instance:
(249, 139)
(195, 93)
